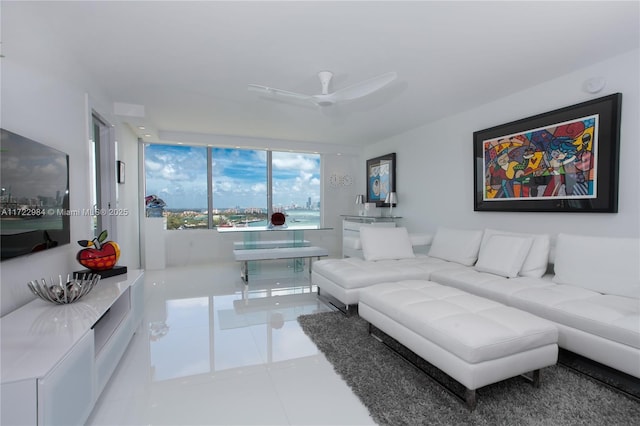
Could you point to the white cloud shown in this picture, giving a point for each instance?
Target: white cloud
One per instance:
(293, 161)
(152, 166)
(259, 188)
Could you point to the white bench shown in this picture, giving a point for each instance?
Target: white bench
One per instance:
(475, 341)
(246, 256)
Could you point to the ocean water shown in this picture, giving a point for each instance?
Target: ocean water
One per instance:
(296, 218)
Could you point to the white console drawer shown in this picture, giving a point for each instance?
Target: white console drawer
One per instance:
(65, 395)
(355, 226)
(18, 403)
(109, 357)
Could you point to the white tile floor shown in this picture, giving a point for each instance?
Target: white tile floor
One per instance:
(212, 351)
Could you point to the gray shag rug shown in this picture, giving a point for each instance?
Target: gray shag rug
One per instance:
(396, 392)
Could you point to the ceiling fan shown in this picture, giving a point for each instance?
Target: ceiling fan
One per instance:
(355, 91)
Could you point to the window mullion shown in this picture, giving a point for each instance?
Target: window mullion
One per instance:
(210, 187)
(269, 185)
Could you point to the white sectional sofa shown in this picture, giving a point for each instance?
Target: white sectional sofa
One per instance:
(589, 287)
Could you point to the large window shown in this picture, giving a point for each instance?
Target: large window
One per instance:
(296, 186)
(239, 186)
(208, 187)
(178, 176)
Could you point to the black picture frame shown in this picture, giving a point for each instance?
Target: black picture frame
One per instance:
(381, 179)
(565, 160)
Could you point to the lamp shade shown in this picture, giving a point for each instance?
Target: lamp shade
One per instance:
(392, 198)
(359, 199)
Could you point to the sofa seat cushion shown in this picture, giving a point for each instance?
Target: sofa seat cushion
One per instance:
(611, 317)
(473, 328)
(353, 273)
(487, 285)
(466, 279)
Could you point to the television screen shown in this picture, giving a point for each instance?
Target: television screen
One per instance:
(34, 199)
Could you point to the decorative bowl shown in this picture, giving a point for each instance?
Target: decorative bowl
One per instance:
(63, 292)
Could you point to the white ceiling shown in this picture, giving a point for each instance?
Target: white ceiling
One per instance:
(189, 63)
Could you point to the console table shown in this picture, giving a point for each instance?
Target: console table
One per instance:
(56, 359)
(254, 247)
(351, 224)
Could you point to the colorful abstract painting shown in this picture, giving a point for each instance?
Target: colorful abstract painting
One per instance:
(564, 160)
(556, 161)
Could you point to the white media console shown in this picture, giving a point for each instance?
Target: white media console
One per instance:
(56, 359)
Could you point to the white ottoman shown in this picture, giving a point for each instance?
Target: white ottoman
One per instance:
(474, 340)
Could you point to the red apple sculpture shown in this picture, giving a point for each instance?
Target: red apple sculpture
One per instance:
(100, 254)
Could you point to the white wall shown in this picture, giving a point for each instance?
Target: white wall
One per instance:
(435, 161)
(128, 198)
(46, 96)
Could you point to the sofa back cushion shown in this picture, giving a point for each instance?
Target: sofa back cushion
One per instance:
(456, 245)
(503, 255)
(382, 243)
(537, 259)
(605, 265)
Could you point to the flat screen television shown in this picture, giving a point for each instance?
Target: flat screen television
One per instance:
(34, 199)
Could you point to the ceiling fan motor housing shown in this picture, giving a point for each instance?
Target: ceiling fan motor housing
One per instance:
(325, 79)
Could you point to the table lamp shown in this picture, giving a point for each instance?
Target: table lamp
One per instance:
(360, 204)
(391, 199)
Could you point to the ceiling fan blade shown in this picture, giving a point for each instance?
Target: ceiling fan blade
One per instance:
(323, 100)
(363, 88)
(276, 92)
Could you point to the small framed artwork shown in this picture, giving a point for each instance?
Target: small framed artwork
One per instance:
(120, 166)
(564, 160)
(381, 179)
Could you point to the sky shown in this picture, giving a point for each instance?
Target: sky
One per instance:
(178, 175)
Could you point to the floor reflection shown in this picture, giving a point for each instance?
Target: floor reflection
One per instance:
(255, 325)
